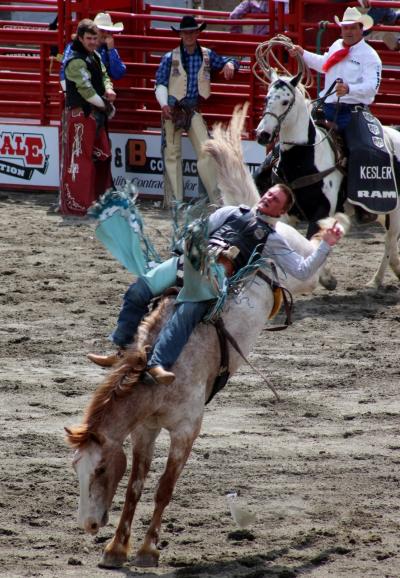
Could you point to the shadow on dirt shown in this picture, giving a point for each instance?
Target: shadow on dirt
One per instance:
(355, 306)
(245, 567)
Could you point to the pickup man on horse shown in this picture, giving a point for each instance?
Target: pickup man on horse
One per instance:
(354, 68)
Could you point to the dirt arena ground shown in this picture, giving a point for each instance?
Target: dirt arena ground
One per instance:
(320, 468)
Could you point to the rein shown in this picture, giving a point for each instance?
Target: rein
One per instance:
(224, 336)
(318, 101)
(219, 324)
(306, 180)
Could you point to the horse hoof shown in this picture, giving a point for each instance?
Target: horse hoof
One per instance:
(330, 283)
(112, 561)
(147, 559)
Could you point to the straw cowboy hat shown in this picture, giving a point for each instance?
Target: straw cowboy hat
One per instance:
(187, 24)
(104, 22)
(352, 15)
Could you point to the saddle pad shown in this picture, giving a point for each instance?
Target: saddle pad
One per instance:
(371, 181)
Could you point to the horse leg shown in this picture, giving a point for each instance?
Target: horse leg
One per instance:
(391, 253)
(326, 277)
(180, 448)
(116, 551)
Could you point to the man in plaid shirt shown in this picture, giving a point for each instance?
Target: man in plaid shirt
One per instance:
(182, 83)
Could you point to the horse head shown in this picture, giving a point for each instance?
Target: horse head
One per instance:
(99, 464)
(280, 99)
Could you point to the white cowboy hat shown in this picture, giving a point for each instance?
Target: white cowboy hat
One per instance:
(352, 15)
(104, 22)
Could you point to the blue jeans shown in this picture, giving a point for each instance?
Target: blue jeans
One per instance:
(135, 306)
(175, 334)
(341, 116)
(137, 299)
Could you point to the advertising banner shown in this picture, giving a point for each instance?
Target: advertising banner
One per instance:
(29, 156)
(137, 157)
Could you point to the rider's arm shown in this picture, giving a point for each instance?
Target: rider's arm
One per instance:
(316, 61)
(366, 89)
(291, 262)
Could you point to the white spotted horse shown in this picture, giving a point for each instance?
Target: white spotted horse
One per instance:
(309, 163)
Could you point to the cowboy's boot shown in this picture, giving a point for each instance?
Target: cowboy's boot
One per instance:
(106, 360)
(161, 375)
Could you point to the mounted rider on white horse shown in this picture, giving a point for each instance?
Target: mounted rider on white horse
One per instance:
(354, 68)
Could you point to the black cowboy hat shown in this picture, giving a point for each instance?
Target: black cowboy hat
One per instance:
(189, 23)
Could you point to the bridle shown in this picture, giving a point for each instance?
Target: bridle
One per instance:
(280, 118)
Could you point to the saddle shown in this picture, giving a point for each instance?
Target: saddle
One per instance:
(373, 171)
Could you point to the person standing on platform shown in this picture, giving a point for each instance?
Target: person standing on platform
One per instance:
(86, 172)
(183, 82)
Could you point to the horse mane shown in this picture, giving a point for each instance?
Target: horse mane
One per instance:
(234, 178)
(123, 376)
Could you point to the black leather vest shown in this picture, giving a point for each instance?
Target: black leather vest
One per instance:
(93, 63)
(246, 232)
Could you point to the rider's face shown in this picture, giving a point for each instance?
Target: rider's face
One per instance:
(352, 33)
(273, 202)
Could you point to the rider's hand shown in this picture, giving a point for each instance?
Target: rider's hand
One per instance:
(110, 95)
(295, 50)
(166, 112)
(341, 88)
(333, 234)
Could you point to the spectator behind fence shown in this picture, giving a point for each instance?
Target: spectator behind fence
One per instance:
(250, 7)
(386, 16)
(253, 7)
(108, 53)
(183, 81)
(86, 163)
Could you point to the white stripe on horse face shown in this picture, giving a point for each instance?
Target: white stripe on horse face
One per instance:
(85, 463)
(278, 100)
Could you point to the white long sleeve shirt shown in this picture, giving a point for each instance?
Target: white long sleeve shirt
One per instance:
(361, 70)
(276, 247)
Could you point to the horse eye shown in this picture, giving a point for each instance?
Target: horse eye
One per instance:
(100, 471)
(285, 102)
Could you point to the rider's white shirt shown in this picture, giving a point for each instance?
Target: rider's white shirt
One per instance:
(276, 247)
(361, 70)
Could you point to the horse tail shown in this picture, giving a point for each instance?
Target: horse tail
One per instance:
(234, 178)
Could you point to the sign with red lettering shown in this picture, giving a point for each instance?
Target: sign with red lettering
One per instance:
(26, 155)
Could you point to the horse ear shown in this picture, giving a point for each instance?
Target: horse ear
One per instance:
(294, 81)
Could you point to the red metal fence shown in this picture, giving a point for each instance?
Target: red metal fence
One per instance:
(29, 84)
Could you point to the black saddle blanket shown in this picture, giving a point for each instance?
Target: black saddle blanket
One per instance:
(372, 173)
